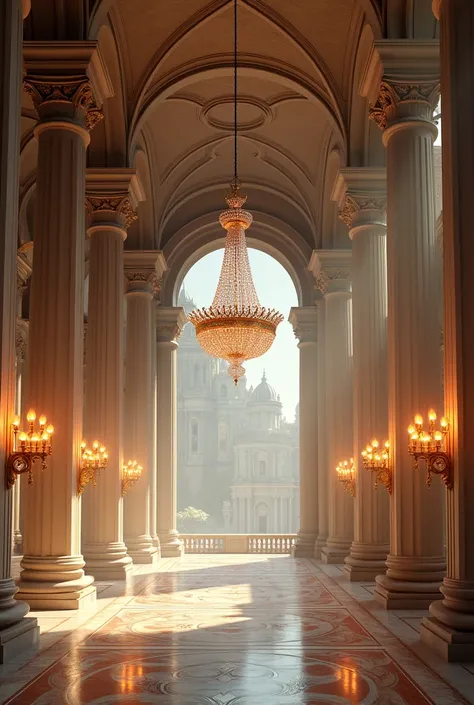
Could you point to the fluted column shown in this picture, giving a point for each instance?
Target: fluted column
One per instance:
(111, 197)
(450, 627)
(305, 321)
(169, 324)
(66, 99)
(332, 270)
(142, 269)
(153, 498)
(361, 195)
(323, 468)
(16, 632)
(404, 110)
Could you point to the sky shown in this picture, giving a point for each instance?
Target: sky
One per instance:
(275, 289)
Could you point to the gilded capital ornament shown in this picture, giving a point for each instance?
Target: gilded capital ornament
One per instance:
(329, 277)
(417, 99)
(75, 92)
(355, 206)
(119, 204)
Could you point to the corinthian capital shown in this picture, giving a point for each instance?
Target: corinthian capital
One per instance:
(170, 321)
(66, 80)
(112, 196)
(304, 320)
(144, 271)
(361, 197)
(332, 271)
(397, 100)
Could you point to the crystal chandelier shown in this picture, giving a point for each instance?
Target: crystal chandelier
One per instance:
(235, 327)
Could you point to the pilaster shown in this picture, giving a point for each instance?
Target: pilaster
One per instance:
(402, 78)
(332, 271)
(362, 201)
(111, 199)
(305, 321)
(169, 324)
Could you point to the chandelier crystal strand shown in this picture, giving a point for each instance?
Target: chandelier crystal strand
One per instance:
(235, 327)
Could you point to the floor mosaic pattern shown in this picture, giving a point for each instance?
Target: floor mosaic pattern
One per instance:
(233, 630)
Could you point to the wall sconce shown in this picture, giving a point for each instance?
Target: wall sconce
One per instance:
(92, 462)
(431, 447)
(346, 474)
(377, 461)
(28, 447)
(132, 472)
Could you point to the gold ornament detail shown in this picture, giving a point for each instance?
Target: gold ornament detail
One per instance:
(92, 462)
(431, 447)
(120, 204)
(392, 94)
(345, 472)
(77, 91)
(28, 446)
(235, 327)
(377, 460)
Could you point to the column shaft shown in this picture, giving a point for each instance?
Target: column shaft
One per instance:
(53, 575)
(304, 321)
(415, 565)
(16, 633)
(450, 628)
(323, 467)
(170, 321)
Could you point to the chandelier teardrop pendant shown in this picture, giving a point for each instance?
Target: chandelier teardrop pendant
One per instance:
(235, 327)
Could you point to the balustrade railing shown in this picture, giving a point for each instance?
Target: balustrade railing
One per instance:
(238, 543)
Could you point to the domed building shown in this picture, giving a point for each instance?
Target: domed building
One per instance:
(237, 457)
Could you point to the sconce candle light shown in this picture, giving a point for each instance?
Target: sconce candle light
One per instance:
(92, 462)
(28, 446)
(132, 472)
(431, 447)
(346, 474)
(377, 460)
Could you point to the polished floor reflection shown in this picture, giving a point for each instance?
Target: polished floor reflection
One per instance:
(232, 630)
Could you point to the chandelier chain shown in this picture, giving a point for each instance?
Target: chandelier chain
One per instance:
(236, 157)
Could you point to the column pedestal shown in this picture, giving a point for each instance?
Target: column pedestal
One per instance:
(449, 629)
(304, 322)
(52, 574)
(403, 106)
(169, 323)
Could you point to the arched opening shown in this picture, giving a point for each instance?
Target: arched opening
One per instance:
(244, 451)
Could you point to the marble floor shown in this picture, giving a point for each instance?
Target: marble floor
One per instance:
(234, 630)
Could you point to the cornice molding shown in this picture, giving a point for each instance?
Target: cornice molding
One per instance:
(360, 194)
(304, 320)
(170, 321)
(112, 195)
(332, 271)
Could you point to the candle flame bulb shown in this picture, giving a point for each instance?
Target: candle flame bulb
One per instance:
(16, 421)
(22, 437)
(432, 415)
(84, 444)
(438, 436)
(387, 444)
(444, 422)
(42, 420)
(35, 438)
(418, 420)
(31, 416)
(45, 437)
(95, 445)
(50, 430)
(411, 430)
(375, 443)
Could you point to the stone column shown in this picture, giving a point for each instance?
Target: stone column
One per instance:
(361, 195)
(67, 99)
(141, 272)
(169, 324)
(450, 627)
(323, 467)
(333, 277)
(111, 197)
(16, 632)
(153, 499)
(403, 108)
(305, 321)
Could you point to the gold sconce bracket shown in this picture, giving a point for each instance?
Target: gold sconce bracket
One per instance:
(431, 447)
(132, 472)
(28, 446)
(346, 475)
(377, 461)
(92, 462)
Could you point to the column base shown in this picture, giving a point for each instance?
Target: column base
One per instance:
(451, 645)
(319, 545)
(171, 545)
(410, 582)
(107, 561)
(304, 546)
(55, 583)
(365, 561)
(335, 551)
(449, 630)
(18, 638)
(149, 557)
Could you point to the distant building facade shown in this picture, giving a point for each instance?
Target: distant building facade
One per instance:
(237, 456)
